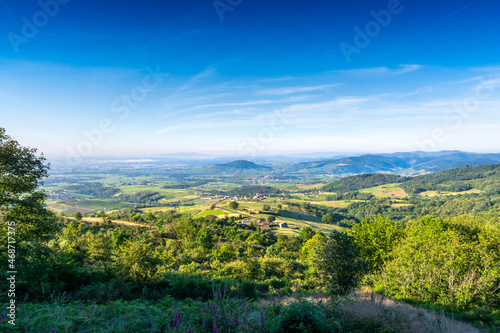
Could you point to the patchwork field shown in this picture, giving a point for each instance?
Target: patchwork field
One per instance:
(386, 191)
(84, 206)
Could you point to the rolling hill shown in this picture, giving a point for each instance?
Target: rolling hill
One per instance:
(235, 167)
(395, 163)
(482, 177)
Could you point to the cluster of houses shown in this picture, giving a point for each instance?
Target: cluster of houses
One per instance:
(236, 198)
(58, 195)
(259, 197)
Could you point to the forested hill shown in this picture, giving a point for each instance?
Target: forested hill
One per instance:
(483, 177)
(377, 163)
(240, 164)
(234, 167)
(459, 174)
(349, 165)
(359, 182)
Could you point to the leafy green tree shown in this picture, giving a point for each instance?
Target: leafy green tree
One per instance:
(205, 239)
(328, 218)
(311, 248)
(233, 205)
(137, 260)
(340, 264)
(266, 208)
(446, 263)
(224, 253)
(331, 218)
(78, 216)
(376, 239)
(24, 219)
(257, 238)
(21, 200)
(271, 218)
(305, 234)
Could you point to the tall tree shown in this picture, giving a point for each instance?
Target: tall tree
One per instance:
(25, 224)
(340, 264)
(21, 199)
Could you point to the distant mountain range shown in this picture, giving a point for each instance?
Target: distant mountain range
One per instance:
(410, 162)
(401, 163)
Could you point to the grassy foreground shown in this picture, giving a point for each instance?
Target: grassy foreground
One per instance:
(358, 312)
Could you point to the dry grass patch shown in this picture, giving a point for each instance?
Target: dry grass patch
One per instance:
(376, 310)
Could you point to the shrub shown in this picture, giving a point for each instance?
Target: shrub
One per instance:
(301, 317)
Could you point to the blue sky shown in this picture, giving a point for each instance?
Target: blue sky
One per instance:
(247, 77)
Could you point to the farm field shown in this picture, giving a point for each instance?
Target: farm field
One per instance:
(386, 191)
(84, 206)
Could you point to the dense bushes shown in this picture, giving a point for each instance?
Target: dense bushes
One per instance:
(455, 264)
(300, 317)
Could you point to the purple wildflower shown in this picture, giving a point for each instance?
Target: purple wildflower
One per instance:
(27, 296)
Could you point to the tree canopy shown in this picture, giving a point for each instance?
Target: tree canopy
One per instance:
(21, 173)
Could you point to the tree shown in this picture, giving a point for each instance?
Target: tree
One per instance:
(271, 218)
(266, 208)
(376, 239)
(451, 263)
(311, 248)
(137, 260)
(205, 239)
(306, 234)
(330, 218)
(78, 216)
(340, 264)
(233, 205)
(24, 218)
(21, 200)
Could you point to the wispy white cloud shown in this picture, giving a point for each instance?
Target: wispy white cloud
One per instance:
(407, 68)
(197, 78)
(401, 69)
(294, 90)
